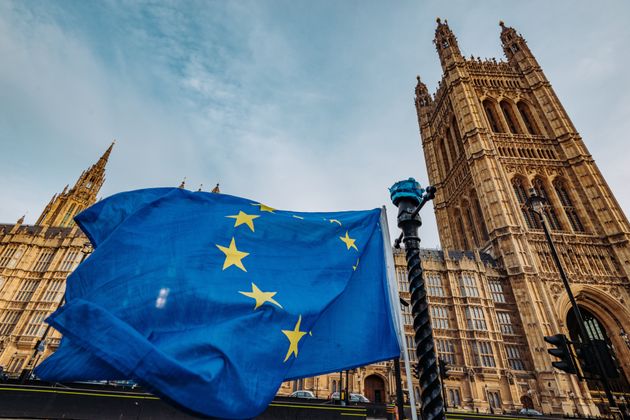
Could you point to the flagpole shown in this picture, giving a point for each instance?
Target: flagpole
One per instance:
(396, 309)
(410, 198)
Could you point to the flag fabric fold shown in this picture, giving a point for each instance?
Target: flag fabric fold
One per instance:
(212, 301)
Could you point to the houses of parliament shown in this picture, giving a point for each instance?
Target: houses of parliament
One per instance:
(491, 133)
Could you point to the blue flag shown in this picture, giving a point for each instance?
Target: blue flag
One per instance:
(212, 301)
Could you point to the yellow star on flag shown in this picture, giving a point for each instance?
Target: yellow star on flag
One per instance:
(263, 207)
(335, 221)
(294, 336)
(243, 218)
(233, 256)
(348, 241)
(261, 297)
(354, 267)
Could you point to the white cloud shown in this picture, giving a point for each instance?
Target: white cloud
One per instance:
(307, 107)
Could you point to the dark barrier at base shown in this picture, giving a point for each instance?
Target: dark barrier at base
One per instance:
(39, 400)
(102, 402)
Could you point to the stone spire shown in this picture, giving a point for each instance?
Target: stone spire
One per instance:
(216, 189)
(62, 208)
(515, 48)
(446, 44)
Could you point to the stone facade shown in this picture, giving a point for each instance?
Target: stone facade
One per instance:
(493, 131)
(34, 263)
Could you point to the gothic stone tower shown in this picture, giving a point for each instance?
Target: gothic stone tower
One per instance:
(34, 263)
(492, 131)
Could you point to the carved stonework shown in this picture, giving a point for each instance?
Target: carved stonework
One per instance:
(519, 145)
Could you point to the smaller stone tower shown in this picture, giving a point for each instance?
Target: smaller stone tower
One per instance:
(63, 207)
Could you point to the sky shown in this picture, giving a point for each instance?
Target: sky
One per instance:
(302, 105)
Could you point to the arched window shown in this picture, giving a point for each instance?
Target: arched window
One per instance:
(69, 214)
(541, 191)
(445, 160)
(528, 118)
(334, 386)
(530, 217)
(482, 221)
(462, 231)
(493, 118)
(510, 118)
(451, 146)
(567, 205)
(471, 221)
(457, 134)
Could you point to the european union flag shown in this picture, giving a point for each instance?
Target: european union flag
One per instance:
(212, 301)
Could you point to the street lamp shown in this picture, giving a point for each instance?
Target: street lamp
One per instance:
(536, 204)
(410, 198)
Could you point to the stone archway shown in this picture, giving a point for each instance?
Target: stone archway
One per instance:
(527, 402)
(600, 336)
(374, 387)
(613, 315)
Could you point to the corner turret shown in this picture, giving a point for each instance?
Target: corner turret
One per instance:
(446, 44)
(62, 208)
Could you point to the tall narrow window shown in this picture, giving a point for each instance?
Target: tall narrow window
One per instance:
(8, 321)
(411, 348)
(471, 222)
(69, 215)
(26, 290)
(69, 261)
(496, 290)
(407, 315)
(462, 231)
(11, 256)
(468, 285)
(514, 357)
(43, 261)
(568, 207)
(35, 326)
(451, 146)
(439, 317)
(510, 118)
(476, 319)
(505, 322)
(457, 134)
(493, 118)
(541, 191)
(528, 118)
(434, 284)
(401, 277)
(445, 160)
(446, 350)
(530, 217)
(484, 353)
(482, 222)
(54, 290)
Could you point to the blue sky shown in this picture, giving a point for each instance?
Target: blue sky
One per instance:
(303, 105)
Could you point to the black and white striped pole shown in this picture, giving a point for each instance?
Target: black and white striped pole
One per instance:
(409, 197)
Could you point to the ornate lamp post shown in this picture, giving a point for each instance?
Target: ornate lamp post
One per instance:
(410, 198)
(536, 204)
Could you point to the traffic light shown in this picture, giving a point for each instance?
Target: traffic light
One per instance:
(562, 351)
(444, 368)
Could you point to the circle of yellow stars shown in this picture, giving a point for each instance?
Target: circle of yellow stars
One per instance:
(234, 257)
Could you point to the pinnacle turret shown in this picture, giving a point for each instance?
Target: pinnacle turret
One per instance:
(446, 44)
(61, 210)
